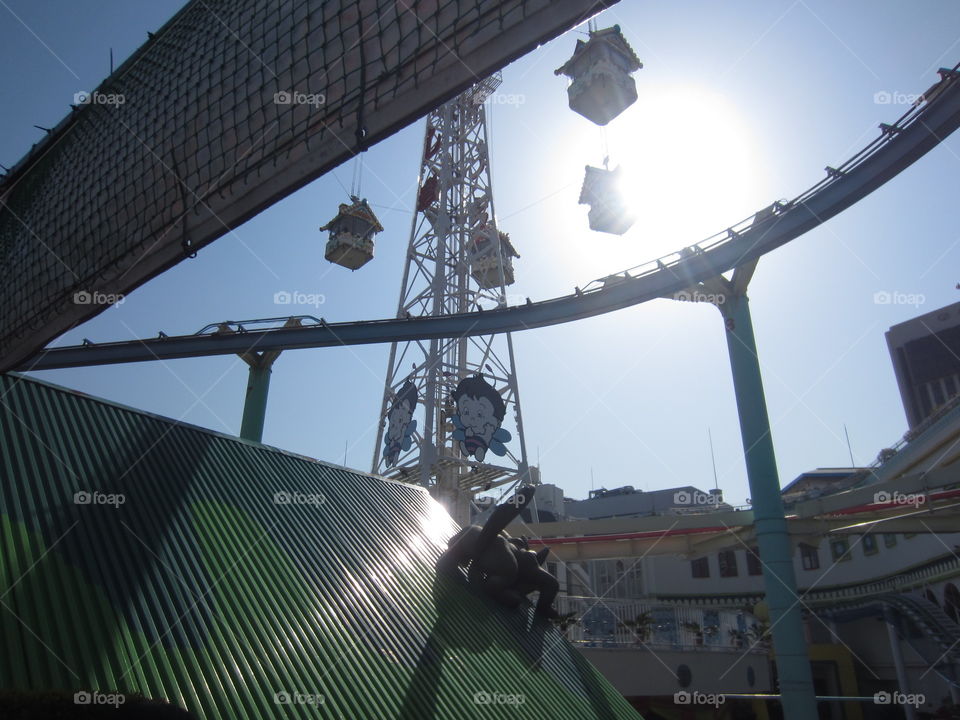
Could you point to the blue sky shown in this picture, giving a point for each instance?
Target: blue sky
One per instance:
(741, 103)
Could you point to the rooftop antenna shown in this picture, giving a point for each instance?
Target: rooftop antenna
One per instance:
(713, 459)
(849, 449)
(111, 61)
(344, 453)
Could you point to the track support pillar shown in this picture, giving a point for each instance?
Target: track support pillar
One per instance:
(786, 624)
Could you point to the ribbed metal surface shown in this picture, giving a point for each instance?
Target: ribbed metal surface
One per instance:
(205, 588)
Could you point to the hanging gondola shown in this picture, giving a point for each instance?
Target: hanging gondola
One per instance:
(351, 234)
(602, 86)
(489, 260)
(609, 210)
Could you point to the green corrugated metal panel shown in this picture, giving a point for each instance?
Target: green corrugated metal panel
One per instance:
(204, 587)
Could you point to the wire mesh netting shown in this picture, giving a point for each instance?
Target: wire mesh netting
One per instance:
(231, 106)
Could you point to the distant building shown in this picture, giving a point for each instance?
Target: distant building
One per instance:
(926, 360)
(627, 501)
(814, 483)
(655, 621)
(550, 505)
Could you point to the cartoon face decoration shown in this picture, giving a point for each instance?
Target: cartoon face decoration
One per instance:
(480, 410)
(400, 423)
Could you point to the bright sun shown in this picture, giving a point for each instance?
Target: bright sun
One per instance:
(689, 171)
(688, 162)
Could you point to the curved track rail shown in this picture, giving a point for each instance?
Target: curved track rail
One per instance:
(899, 145)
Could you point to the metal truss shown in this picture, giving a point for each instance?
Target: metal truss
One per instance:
(454, 219)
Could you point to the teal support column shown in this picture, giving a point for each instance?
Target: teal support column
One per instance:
(793, 663)
(258, 387)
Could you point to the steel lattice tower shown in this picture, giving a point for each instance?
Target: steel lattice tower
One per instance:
(457, 261)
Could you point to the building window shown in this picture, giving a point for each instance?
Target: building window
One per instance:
(754, 566)
(632, 581)
(889, 539)
(700, 567)
(728, 563)
(839, 549)
(938, 397)
(869, 544)
(926, 404)
(934, 393)
(951, 601)
(810, 557)
(950, 385)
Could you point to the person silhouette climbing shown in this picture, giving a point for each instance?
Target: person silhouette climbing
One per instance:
(502, 567)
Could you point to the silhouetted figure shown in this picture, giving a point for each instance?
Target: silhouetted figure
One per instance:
(501, 566)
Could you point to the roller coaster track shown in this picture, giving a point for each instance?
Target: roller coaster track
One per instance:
(898, 146)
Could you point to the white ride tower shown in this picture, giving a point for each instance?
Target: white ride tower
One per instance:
(458, 261)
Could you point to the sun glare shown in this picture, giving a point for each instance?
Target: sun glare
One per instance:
(689, 170)
(688, 164)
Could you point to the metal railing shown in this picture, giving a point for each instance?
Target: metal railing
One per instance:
(604, 622)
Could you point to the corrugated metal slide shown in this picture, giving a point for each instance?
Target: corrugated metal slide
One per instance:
(243, 582)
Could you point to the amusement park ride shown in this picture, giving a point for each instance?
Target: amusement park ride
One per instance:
(451, 382)
(459, 261)
(601, 88)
